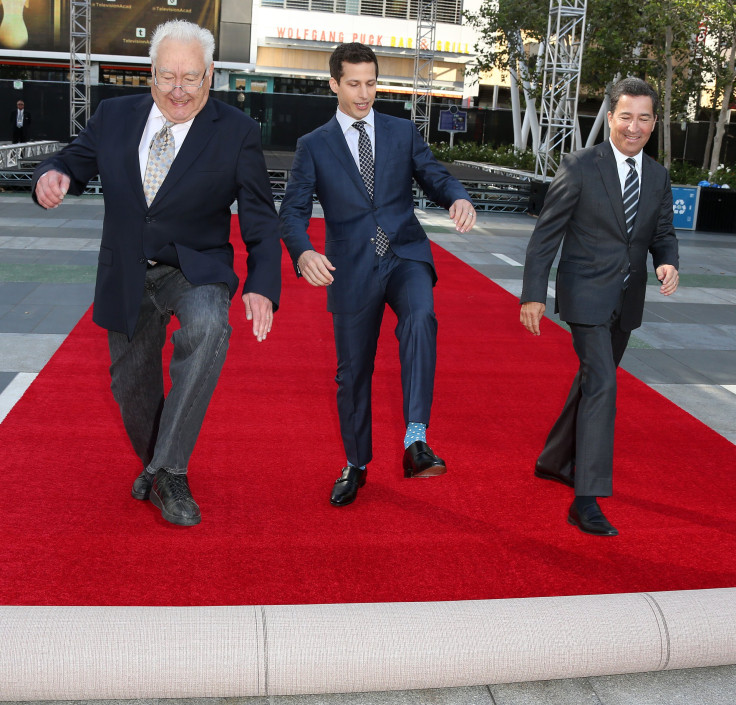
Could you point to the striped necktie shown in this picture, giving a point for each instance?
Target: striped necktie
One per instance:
(365, 156)
(631, 196)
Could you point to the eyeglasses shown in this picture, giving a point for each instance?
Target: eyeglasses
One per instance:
(189, 85)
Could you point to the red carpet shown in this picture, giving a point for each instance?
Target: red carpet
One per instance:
(270, 450)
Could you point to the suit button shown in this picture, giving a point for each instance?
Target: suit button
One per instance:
(373, 240)
(142, 260)
(149, 219)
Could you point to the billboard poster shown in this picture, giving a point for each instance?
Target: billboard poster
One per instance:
(119, 27)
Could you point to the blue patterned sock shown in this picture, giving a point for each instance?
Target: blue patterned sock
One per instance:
(362, 467)
(415, 432)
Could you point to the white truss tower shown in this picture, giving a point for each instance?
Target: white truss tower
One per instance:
(421, 100)
(561, 82)
(79, 64)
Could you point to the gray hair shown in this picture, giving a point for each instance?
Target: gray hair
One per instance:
(182, 31)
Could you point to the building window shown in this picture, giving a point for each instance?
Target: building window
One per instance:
(448, 11)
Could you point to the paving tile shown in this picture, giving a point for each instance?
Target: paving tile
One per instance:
(32, 242)
(61, 319)
(12, 293)
(67, 294)
(659, 367)
(688, 336)
(577, 691)
(719, 366)
(27, 352)
(695, 686)
(5, 378)
(23, 318)
(478, 695)
(708, 314)
(497, 272)
(42, 272)
(713, 405)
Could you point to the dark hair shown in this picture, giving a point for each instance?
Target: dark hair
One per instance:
(352, 53)
(636, 87)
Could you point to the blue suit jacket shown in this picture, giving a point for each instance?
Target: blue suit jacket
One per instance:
(188, 223)
(324, 165)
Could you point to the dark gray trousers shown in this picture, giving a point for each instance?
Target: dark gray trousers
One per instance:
(582, 436)
(164, 429)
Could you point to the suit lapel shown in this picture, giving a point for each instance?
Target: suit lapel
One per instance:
(611, 182)
(132, 139)
(383, 149)
(199, 135)
(646, 189)
(335, 140)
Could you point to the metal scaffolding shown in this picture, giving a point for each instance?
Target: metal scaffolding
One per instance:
(561, 83)
(421, 100)
(80, 26)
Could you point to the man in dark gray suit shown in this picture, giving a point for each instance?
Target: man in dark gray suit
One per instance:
(608, 205)
(20, 120)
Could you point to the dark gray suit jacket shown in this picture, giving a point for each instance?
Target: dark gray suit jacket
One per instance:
(584, 211)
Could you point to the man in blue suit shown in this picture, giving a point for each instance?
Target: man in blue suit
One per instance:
(361, 165)
(171, 164)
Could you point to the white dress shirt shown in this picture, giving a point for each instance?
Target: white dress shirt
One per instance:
(624, 168)
(351, 134)
(156, 121)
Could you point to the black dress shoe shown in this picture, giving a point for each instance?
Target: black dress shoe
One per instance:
(142, 486)
(171, 494)
(566, 478)
(591, 521)
(346, 486)
(420, 461)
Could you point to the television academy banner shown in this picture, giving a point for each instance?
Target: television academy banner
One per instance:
(119, 27)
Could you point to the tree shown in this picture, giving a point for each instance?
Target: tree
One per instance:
(509, 32)
(719, 60)
(651, 40)
(669, 28)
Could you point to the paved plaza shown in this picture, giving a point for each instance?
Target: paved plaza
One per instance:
(686, 350)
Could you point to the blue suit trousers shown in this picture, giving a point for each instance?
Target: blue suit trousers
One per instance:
(406, 286)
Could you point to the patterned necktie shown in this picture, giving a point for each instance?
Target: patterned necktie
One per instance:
(160, 156)
(631, 195)
(365, 155)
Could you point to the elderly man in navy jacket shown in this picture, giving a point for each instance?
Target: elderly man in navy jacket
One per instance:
(171, 165)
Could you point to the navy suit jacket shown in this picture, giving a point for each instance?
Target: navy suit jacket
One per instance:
(584, 211)
(324, 165)
(188, 223)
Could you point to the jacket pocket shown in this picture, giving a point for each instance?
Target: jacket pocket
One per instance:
(105, 256)
(582, 268)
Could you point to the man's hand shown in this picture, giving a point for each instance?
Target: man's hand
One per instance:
(315, 268)
(531, 315)
(669, 277)
(463, 215)
(259, 309)
(51, 188)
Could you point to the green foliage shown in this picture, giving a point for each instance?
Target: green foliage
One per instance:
(506, 28)
(681, 172)
(690, 175)
(472, 152)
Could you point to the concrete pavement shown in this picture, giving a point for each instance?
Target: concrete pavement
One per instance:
(686, 350)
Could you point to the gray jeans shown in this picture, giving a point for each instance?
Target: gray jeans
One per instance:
(164, 430)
